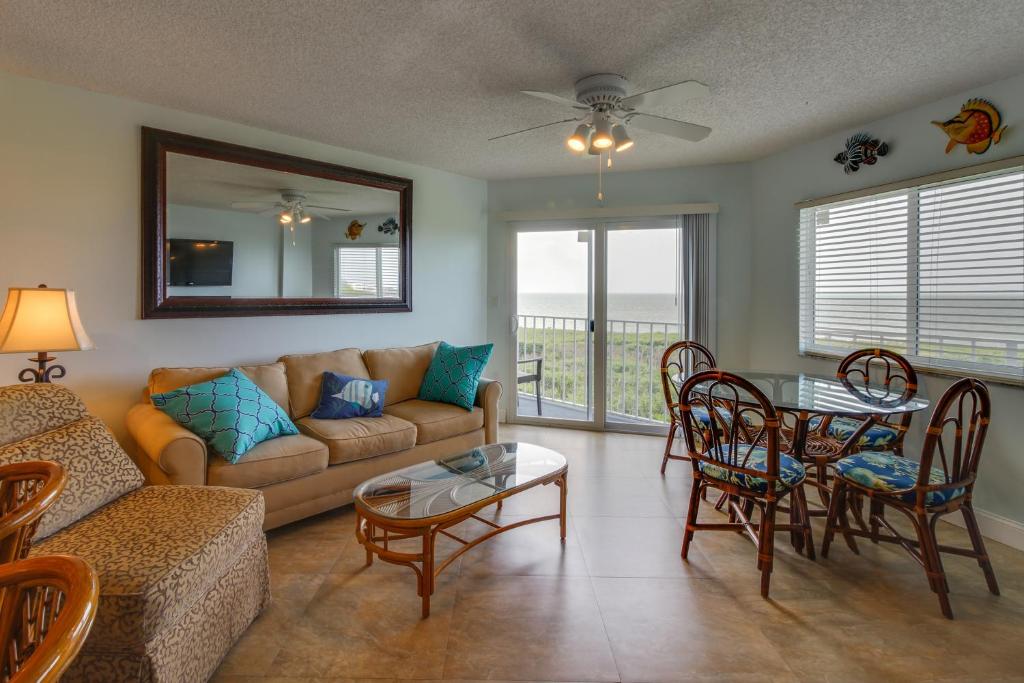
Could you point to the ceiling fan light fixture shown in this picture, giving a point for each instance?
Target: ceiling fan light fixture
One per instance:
(285, 218)
(577, 142)
(621, 138)
(305, 219)
(602, 137)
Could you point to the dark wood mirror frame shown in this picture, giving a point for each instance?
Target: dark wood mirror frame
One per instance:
(156, 304)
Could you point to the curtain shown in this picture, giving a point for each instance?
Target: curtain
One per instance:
(698, 255)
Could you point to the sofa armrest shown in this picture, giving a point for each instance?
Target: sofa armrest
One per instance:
(488, 393)
(170, 453)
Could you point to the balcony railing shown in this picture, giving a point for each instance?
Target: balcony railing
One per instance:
(633, 352)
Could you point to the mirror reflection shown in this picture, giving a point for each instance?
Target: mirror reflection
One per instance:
(237, 231)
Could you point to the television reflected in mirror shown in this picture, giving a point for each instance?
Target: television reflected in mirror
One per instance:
(231, 230)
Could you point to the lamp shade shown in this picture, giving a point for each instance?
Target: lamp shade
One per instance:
(41, 319)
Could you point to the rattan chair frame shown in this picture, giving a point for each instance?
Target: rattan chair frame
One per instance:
(47, 606)
(961, 416)
(27, 490)
(729, 443)
(681, 359)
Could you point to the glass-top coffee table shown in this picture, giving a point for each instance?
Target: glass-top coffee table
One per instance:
(428, 499)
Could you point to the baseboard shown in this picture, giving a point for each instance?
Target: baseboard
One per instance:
(996, 527)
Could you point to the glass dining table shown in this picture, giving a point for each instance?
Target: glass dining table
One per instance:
(806, 402)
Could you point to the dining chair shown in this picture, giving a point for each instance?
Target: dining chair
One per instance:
(27, 489)
(882, 375)
(47, 606)
(943, 482)
(740, 456)
(681, 359)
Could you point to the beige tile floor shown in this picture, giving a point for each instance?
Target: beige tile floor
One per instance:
(616, 602)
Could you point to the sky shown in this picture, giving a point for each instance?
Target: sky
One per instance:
(639, 262)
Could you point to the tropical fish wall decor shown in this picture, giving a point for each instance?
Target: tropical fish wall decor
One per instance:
(977, 127)
(861, 149)
(355, 229)
(388, 227)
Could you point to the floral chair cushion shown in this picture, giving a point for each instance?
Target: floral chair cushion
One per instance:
(877, 436)
(791, 472)
(890, 472)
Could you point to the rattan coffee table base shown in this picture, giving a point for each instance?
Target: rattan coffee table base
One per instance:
(376, 533)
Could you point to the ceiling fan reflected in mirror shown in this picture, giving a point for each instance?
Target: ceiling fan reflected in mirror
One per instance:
(604, 109)
(291, 207)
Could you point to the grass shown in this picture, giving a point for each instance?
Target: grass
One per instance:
(633, 382)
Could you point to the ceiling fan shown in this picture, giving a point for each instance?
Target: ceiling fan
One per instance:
(291, 206)
(604, 109)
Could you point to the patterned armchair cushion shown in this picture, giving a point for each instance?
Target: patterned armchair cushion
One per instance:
(890, 472)
(791, 472)
(158, 551)
(98, 470)
(700, 413)
(877, 436)
(30, 409)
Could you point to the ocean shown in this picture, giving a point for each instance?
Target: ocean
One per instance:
(655, 308)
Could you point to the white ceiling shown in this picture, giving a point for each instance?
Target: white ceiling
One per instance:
(428, 81)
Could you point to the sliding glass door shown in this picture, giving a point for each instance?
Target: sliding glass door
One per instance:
(595, 307)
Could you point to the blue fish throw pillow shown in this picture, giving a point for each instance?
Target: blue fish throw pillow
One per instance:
(229, 413)
(454, 374)
(342, 396)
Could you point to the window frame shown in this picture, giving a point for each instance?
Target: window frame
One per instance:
(378, 267)
(807, 293)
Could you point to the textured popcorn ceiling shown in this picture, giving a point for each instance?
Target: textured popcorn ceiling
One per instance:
(429, 81)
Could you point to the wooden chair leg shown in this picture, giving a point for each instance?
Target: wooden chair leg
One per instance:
(766, 546)
(932, 562)
(876, 511)
(844, 521)
(668, 446)
(799, 503)
(979, 547)
(691, 516)
(831, 519)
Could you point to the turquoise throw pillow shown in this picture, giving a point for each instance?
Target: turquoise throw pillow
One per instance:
(230, 413)
(454, 374)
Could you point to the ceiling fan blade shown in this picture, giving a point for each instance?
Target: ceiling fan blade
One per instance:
(527, 130)
(273, 209)
(670, 127)
(667, 96)
(328, 208)
(557, 99)
(317, 214)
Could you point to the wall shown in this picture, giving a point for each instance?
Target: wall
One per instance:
(807, 172)
(726, 185)
(70, 178)
(256, 248)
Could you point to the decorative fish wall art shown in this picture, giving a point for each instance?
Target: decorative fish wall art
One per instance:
(388, 227)
(977, 127)
(355, 229)
(861, 149)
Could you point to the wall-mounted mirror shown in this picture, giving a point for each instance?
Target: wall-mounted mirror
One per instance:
(230, 230)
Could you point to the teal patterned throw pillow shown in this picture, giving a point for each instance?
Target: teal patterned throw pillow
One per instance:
(454, 374)
(230, 413)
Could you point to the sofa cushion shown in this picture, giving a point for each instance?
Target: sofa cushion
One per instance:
(98, 470)
(271, 462)
(306, 370)
(360, 437)
(30, 409)
(158, 551)
(435, 421)
(270, 377)
(403, 368)
(454, 374)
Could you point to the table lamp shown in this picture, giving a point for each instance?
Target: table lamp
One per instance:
(41, 318)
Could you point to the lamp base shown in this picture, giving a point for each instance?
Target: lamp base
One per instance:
(41, 373)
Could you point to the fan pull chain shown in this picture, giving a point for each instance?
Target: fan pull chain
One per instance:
(292, 228)
(600, 177)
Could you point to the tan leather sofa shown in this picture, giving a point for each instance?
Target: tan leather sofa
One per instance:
(182, 570)
(319, 468)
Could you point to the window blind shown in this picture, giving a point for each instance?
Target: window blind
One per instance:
(366, 272)
(934, 272)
